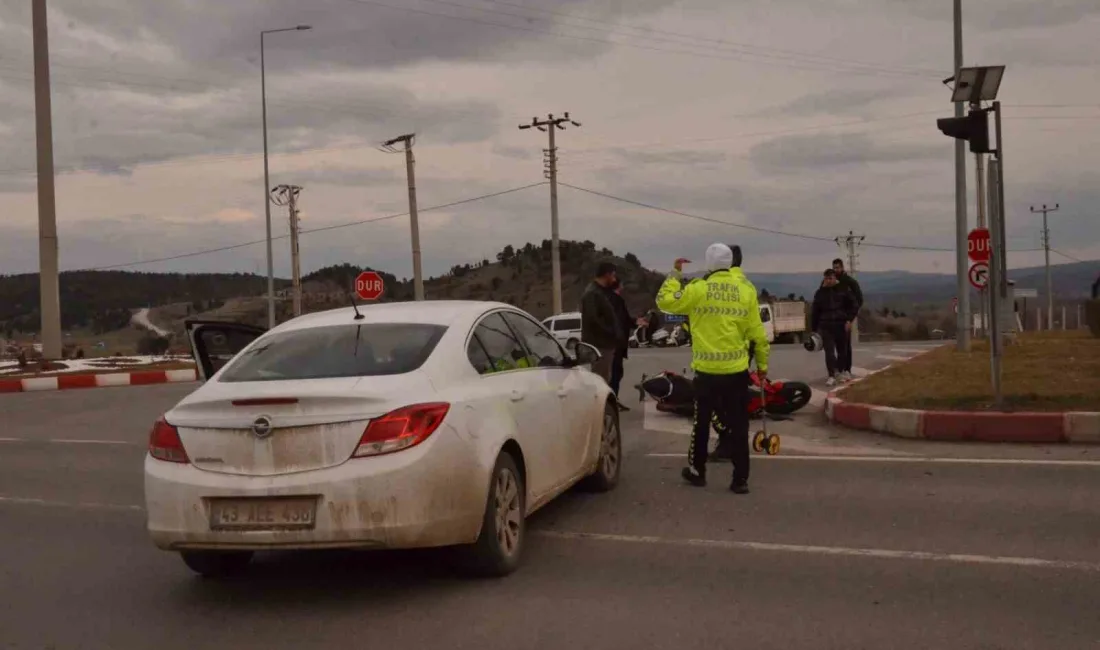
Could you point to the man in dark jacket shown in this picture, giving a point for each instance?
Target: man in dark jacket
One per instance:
(849, 283)
(600, 326)
(622, 314)
(834, 309)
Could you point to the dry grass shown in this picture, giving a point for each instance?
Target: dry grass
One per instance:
(1047, 371)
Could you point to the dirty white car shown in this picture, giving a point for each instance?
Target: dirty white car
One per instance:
(392, 426)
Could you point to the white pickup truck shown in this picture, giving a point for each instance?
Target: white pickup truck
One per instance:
(784, 320)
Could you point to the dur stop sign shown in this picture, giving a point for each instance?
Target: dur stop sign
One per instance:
(978, 245)
(369, 286)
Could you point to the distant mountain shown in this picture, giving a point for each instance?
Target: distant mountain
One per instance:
(102, 301)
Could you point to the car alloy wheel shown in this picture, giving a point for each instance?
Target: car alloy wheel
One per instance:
(610, 446)
(509, 514)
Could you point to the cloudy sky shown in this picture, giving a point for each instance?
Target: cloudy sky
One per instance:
(808, 117)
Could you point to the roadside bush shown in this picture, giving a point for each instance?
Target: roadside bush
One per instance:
(153, 345)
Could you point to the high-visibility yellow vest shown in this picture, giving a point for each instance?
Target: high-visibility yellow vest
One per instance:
(725, 316)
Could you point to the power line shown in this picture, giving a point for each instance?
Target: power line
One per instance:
(556, 34)
(720, 45)
(207, 251)
(1070, 257)
(734, 44)
(770, 231)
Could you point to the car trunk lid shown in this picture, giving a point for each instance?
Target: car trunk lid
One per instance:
(271, 428)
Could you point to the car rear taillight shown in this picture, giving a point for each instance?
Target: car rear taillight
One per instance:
(165, 443)
(406, 427)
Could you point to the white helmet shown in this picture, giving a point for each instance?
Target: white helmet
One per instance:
(814, 343)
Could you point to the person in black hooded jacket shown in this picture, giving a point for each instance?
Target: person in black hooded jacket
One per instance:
(834, 309)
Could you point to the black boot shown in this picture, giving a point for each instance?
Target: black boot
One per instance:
(694, 476)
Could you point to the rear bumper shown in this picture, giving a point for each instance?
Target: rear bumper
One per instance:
(431, 495)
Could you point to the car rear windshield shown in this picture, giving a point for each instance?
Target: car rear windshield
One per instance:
(367, 350)
(567, 324)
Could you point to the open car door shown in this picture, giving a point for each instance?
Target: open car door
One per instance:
(215, 343)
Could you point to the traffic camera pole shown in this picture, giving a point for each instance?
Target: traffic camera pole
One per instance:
(998, 264)
(962, 267)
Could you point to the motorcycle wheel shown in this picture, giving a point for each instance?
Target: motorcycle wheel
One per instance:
(793, 396)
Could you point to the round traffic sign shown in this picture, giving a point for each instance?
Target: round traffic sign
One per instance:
(978, 245)
(369, 285)
(979, 275)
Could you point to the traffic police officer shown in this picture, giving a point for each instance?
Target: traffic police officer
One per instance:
(725, 317)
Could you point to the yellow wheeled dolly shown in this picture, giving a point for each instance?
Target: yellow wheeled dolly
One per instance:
(762, 440)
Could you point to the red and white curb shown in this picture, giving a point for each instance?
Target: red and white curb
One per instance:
(949, 426)
(66, 382)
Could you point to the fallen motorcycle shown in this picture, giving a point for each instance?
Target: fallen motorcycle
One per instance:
(674, 394)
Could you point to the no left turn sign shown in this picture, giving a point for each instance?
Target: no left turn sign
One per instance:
(979, 275)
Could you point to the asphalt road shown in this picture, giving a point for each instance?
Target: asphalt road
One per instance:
(847, 541)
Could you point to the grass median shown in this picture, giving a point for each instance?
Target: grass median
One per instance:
(1042, 371)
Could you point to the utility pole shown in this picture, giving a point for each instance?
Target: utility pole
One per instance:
(410, 163)
(849, 243)
(288, 195)
(962, 268)
(550, 125)
(1046, 251)
(49, 286)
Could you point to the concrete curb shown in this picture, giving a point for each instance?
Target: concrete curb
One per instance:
(957, 426)
(67, 382)
(946, 426)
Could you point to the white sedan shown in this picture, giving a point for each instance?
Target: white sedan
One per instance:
(398, 425)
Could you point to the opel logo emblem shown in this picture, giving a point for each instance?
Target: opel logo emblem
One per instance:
(262, 427)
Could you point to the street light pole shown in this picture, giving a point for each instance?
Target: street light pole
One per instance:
(48, 281)
(267, 178)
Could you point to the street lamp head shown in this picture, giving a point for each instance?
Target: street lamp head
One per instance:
(303, 28)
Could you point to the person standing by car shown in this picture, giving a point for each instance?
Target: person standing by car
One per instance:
(849, 283)
(600, 327)
(723, 321)
(834, 309)
(622, 313)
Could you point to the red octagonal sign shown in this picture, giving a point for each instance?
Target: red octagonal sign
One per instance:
(369, 285)
(978, 245)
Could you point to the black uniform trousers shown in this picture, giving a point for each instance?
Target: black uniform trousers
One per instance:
(728, 397)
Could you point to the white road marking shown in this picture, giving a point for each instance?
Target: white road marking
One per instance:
(64, 441)
(892, 357)
(910, 350)
(917, 459)
(876, 553)
(67, 504)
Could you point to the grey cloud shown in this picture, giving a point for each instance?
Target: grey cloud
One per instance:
(671, 157)
(515, 153)
(1006, 14)
(345, 176)
(796, 153)
(837, 101)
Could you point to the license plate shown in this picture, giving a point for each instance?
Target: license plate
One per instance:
(263, 513)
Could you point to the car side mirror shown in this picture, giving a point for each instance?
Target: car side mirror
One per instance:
(585, 354)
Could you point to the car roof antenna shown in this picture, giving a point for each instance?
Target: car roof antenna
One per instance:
(354, 306)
